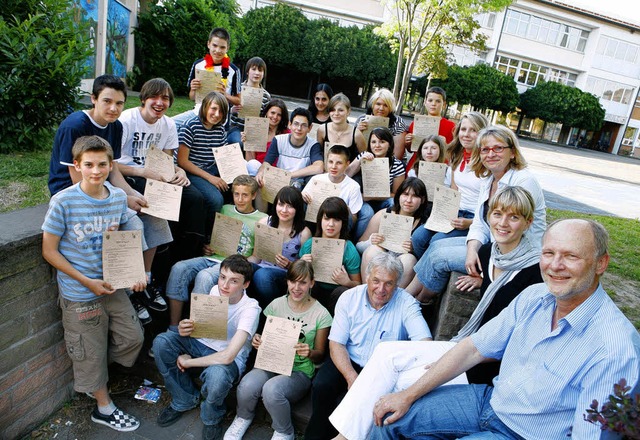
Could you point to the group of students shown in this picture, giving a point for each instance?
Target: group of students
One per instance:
(97, 178)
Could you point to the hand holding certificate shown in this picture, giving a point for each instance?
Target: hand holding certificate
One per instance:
(256, 131)
(327, 254)
(122, 263)
(273, 180)
(277, 345)
(163, 200)
(446, 203)
(268, 242)
(374, 122)
(432, 174)
(209, 314)
(209, 82)
(396, 229)
(375, 177)
(230, 162)
(160, 162)
(251, 100)
(319, 191)
(424, 126)
(225, 236)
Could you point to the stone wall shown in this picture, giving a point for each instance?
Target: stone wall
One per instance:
(35, 371)
(455, 310)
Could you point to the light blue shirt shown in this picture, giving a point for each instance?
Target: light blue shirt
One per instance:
(360, 327)
(548, 378)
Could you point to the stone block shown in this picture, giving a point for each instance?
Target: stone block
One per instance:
(22, 351)
(25, 303)
(13, 331)
(22, 283)
(22, 255)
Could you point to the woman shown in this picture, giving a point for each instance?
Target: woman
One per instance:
(382, 103)
(278, 391)
(338, 131)
(411, 201)
(497, 159)
(319, 105)
(333, 222)
(278, 115)
(198, 136)
(460, 177)
(431, 149)
(269, 278)
(380, 145)
(510, 264)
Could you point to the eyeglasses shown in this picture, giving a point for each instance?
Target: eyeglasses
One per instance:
(496, 149)
(299, 125)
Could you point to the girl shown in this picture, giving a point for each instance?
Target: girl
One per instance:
(278, 392)
(268, 278)
(278, 115)
(382, 103)
(431, 150)
(338, 130)
(410, 200)
(319, 105)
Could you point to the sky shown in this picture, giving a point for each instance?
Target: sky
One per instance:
(627, 10)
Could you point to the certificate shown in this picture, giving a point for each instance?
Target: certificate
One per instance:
(163, 200)
(375, 177)
(230, 162)
(122, 263)
(327, 256)
(209, 81)
(251, 100)
(273, 179)
(432, 174)
(319, 192)
(396, 229)
(256, 132)
(374, 122)
(225, 236)
(268, 242)
(424, 126)
(277, 346)
(160, 162)
(210, 315)
(446, 203)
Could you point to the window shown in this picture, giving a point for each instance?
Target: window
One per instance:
(545, 31)
(610, 90)
(617, 49)
(530, 74)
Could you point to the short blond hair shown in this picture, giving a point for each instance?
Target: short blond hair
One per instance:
(386, 96)
(504, 135)
(513, 199)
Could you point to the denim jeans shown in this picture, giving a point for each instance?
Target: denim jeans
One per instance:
(442, 257)
(182, 118)
(268, 284)
(182, 274)
(278, 392)
(363, 217)
(422, 237)
(212, 197)
(207, 278)
(233, 136)
(217, 380)
(451, 412)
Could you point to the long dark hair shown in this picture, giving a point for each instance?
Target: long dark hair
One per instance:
(334, 207)
(384, 134)
(284, 119)
(322, 87)
(420, 190)
(293, 197)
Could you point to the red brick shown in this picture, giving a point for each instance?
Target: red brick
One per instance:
(39, 361)
(11, 378)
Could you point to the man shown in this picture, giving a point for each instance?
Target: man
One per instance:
(562, 344)
(365, 316)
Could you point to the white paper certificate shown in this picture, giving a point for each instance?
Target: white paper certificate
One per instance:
(274, 179)
(251, 100)
(396, 229)
(268, 242)
(209, 81)
(163, 200)
(319, 192)
(424, 126)
(225, 235)
(277, 346)
(375, 177)
(374, 122)
(446, 203)
(122, 263)
(432, 174)
(256, 132)
(160, 162)
(327, 256)
(210, 315)
(230, 162)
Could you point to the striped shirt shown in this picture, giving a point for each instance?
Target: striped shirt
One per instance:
(79, 220)
(200, 141)
(549, 378)
(396, 127)
(397, 168)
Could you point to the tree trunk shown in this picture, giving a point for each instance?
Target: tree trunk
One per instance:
(522, 115)
(399, 64)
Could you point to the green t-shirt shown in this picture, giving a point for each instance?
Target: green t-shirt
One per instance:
(314, 319)
(350, 260)
(247, 237)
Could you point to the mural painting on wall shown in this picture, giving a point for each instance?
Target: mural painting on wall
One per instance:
(117, 39)
(87, 11)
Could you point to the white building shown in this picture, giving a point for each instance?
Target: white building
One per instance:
(542, 39)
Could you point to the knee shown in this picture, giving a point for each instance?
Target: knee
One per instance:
(272, 392)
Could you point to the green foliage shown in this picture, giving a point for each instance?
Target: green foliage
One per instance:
(620, 414)
(172, 35)
(42, 60)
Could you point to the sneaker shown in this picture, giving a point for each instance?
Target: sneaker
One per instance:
(168, 416)
(118, 420)
(237, 429)
(212, 432)
(281, 436)
(141, 311)
(152, 298)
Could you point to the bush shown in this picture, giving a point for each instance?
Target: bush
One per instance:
(620, 414)
(42, 60)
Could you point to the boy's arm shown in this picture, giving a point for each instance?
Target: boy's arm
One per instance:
(317, 164)
(223, 357)
(134, 200)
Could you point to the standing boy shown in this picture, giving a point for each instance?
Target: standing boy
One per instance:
(223, 360)
(91, 308)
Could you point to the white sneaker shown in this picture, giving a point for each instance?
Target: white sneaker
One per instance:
(280, 436)
(237, 429)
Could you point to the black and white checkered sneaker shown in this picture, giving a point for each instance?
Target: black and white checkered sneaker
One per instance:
(118, 420)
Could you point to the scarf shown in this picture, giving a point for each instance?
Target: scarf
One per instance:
(466, 157)
(523, 256)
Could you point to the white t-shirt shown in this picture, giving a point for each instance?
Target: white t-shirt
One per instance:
(468, 185)
(138, 136)
(349, 191)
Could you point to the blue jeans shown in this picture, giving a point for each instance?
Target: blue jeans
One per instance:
(213, 199)
(451, 412)
(268, 284)
(233, 136)
(182, 274)
(362, 221)
(207, 278)
(441, 258)
(182, 118)
(422, 237)
(217, 380)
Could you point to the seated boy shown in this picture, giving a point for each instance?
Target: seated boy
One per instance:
(295, 151)
(91, 308)
(223, 360)
(183, 273)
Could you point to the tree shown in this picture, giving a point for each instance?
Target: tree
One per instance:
(426, 28)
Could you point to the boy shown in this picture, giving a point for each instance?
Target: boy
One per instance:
(223, 360)
(91, 308)
(218, 44)
(295, 152)
(245, 190)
